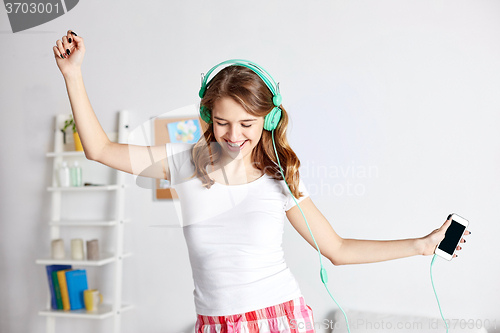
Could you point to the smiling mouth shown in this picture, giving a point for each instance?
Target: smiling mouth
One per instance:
(235, 145)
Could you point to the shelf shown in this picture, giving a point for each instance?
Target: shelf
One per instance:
(108, 181)
(86, 223)
(106, 258)
(86, 188)
(104, 311)
(65, 153)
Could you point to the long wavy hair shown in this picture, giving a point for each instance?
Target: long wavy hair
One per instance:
(247, 88)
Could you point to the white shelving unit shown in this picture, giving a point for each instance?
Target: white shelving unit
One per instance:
(116, 257)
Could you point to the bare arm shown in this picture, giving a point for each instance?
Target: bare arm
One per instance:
(93, 137)
(147, 161)
(360, 251)
(342, 251)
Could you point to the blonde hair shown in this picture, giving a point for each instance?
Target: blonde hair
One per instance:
(247, 88)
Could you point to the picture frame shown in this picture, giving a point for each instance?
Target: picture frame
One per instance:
(186, 129)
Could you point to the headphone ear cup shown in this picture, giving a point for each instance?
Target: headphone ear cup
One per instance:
(205, 114)
(272, 119)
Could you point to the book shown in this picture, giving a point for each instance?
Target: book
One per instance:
(50, 269)
(76, 281)
(61, 277)
(57, 290)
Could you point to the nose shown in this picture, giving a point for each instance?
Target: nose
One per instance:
(234, 133)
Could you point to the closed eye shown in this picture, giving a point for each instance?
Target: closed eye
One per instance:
(226, 124)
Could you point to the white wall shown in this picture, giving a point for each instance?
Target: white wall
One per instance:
(406, 87)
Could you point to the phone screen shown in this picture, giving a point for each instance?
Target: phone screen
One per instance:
(452, 237)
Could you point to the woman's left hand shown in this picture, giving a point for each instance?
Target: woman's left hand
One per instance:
(430, 242)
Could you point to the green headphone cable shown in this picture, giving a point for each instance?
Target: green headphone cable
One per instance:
(432, 263)
(323, 272)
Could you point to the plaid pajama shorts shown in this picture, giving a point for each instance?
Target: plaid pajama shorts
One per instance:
(293, 316)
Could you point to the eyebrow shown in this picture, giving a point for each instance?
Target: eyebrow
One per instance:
(240, 120)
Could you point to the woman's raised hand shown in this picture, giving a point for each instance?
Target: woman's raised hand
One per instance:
(69, 52)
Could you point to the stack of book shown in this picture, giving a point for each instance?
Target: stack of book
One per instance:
(66, 287)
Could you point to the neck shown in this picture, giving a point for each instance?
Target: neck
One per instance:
(237, 165)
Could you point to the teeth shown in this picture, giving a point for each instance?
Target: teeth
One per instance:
(235, 144)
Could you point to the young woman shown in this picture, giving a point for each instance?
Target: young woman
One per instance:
(234, 201)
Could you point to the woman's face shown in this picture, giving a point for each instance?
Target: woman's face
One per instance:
(232, 124)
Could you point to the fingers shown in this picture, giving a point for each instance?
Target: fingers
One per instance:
(446, 224)
(70, 37)
(76, 41)
(71, 42)
(458, 248)
(57, 53)
(467, 232)
(60, 48)
(67, 44)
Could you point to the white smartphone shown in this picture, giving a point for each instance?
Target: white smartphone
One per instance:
(447, 247)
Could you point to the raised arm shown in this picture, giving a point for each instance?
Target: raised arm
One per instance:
(147, 161)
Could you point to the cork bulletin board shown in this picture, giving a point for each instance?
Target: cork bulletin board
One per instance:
(178, 129)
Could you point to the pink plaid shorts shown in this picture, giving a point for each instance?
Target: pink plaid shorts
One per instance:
(293, 316)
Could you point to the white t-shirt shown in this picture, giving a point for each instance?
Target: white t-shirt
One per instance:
(234, 235)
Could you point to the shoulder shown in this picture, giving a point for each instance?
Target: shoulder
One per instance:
(178, 153)
(284, 185)
(292, 200)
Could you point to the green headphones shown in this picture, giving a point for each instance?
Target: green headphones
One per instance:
(272, 118)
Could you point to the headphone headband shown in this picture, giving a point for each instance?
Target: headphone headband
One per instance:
(261, 72)
(272, 118)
